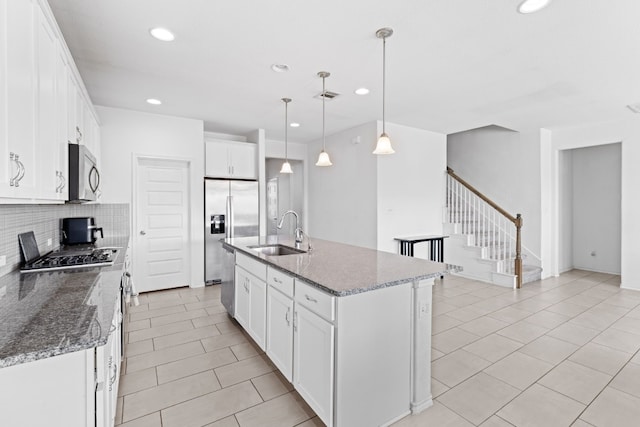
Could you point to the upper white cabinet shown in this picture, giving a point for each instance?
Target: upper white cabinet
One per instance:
(19, 146)
(36, 112)
(229, 159)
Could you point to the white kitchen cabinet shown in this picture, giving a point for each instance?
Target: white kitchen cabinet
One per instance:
(229, 159)
(36, 110)
(61, 154)
(280, 331)
(242, 299)
(250, 308)
(19, 150)
(6, 165)
(108, 374)
(314, 361)
(48, 168)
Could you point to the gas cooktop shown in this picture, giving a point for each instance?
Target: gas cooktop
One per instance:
(72, 258)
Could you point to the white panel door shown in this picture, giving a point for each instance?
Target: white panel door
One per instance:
(162, 221)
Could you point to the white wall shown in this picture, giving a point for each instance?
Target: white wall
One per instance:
(126, 133)
(367, 200)
(411, 186)
(504, 165)
(627, 132)
(596, 208)
(565, 207)
(342, 202)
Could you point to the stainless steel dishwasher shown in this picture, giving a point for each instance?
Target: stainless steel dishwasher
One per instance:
(227, 290)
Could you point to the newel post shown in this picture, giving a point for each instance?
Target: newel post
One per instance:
(518, 260)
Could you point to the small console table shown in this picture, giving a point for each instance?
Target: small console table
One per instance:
(436, 246)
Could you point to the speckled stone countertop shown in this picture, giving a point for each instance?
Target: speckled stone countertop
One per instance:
(52, 313)
(343, 269)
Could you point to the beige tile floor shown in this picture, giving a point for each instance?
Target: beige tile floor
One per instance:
(559, 352)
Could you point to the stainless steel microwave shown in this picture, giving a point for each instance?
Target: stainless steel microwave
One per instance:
(84, 176)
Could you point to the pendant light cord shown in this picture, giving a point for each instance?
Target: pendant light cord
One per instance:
(286, 119)
(324, 95)
(384, 67)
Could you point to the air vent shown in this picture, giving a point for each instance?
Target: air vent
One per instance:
(633, 107)
(328, 95)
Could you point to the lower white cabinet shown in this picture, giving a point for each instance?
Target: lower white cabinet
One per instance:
(313, 361)
(280, 331)
(108, 374)
(250, 306)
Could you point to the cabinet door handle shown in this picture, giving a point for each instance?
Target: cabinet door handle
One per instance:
(286, 316)
(13, 159)
(295, 320)
(246, 285)
(59, 179)
(311, 299)
(21, 171)
(275, 279)
(63, 183)
(78, 135)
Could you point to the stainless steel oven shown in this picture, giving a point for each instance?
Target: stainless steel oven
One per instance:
(84, 176)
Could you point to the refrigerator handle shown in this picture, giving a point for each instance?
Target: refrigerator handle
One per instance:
(230, 224)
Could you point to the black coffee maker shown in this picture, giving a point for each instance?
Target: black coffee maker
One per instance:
(80, 231)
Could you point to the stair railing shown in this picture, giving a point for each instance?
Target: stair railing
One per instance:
(488, 223)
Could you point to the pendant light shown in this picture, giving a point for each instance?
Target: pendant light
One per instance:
(384, 143)
(323, 158)
(286, 166)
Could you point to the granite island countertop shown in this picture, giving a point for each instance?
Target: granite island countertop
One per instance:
(57, 312)
(341, 269)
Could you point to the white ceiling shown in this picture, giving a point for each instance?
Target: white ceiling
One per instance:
(452, 65)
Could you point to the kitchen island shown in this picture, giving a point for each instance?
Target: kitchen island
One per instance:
(350, 327)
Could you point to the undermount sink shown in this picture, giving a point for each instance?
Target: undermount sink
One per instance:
(276, 250)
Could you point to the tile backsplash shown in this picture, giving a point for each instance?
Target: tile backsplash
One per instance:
(45, 220)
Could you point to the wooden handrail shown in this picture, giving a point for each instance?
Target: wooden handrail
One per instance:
(516, 220)
(513, 219)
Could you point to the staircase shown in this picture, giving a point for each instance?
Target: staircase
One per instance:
(485, 239)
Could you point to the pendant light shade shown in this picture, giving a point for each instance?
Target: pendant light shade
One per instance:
(323, 158)
(383, 145)
(286, 166)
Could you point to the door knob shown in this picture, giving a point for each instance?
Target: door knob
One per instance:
(142, 232)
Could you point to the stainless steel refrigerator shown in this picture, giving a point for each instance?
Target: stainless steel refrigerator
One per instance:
(231, 210)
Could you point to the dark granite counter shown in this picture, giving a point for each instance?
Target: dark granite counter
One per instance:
(341, 269)
(51, 313)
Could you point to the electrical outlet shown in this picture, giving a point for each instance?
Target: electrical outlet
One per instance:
(424, 309)
(3, 260)
(49, 242)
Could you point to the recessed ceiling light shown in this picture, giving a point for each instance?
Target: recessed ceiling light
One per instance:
(280, 68)
(531, 6)
(154, 101)
(162, 34)
(294, 125)
(362, 91)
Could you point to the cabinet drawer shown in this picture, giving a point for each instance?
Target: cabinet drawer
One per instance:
(314, 299)
(251, 265)
(281, 281)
